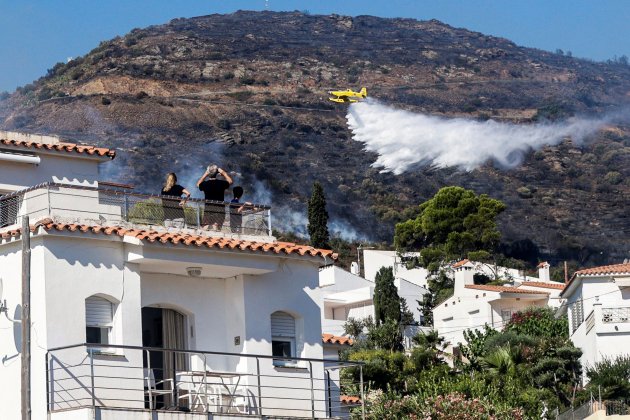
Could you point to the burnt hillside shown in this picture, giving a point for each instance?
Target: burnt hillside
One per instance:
(249, 90)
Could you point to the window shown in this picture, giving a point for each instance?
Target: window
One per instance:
(99, 318)
(506, 315)
(577, 314)
(282, 337)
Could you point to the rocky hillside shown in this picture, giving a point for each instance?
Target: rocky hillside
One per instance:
(248, 90)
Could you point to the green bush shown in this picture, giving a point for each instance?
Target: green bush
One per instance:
(151, 212)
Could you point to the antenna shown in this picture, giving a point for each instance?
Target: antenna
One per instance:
(3, 305)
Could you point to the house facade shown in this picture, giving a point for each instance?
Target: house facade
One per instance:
(131, 314)
(375, 259)
(473, 306)
(346, 295)
(598, 306)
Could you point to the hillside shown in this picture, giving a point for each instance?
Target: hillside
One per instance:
(248, 90)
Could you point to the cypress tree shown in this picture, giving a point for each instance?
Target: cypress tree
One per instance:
(318, 218)
(386, 299)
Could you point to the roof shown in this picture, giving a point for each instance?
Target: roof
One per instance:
(335, 339)
(604, 270)
(176, 238)
(542, 264)
(349, 399)
(460, 263)
(62, 147)
(503, 289)
(543, 285)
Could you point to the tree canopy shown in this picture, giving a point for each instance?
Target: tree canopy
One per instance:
(386, 299)
(455, 224)
(318, 218)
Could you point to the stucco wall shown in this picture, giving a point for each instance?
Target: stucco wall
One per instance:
(54, 167)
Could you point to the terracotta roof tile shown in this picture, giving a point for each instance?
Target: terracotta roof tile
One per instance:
(460, 263)
(605, 269)
(62, 147)
(543, 285)
(177, 238)
(335, 339)
(350, 399)
(542, 264)
(502, 289)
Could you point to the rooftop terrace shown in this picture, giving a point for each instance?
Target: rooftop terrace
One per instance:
(107, 205)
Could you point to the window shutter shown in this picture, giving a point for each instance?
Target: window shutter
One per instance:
(282, 325)
(98, 311)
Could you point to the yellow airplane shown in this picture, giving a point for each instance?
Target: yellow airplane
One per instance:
(347, 96)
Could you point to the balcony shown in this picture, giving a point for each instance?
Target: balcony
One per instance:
(110, 206)
(129, 382)
(609, 319)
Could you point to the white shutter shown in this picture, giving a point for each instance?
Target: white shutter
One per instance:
(98, 312)
(282, 325)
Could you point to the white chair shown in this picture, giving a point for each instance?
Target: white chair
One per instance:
(151, 387)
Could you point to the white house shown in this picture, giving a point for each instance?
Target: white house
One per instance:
(472, 306)
(130, 317)
(375, 259)
(346, 295)
(598, 303)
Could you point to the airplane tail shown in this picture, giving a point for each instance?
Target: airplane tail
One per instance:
(363, 92)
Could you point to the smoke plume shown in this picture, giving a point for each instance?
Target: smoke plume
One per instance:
(404, 139)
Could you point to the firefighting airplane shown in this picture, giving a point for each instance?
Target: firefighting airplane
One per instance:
(347, 96)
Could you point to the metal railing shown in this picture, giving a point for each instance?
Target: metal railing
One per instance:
(149, 378)
(611, 408)
(110, 206)
(615, 315)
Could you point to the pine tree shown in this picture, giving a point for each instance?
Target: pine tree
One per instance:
(318, 218)
(386, 299)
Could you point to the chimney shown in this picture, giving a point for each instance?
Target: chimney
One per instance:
(464, 275)
(543, 272)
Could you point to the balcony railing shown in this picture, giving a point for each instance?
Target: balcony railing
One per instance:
(615, 315)
(110, 206)
(146, 378)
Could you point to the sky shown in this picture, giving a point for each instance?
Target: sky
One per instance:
(36, 34)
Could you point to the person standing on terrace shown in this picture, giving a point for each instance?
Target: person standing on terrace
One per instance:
(214, 190)
(173, 207)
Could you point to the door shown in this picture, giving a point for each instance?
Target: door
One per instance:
(164, 328)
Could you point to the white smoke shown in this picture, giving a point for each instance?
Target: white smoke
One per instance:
(287, 219)
(404, 139)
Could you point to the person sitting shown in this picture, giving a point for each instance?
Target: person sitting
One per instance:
(214, 190)
(174, 207)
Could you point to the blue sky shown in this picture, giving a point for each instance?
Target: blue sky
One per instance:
(35, 34)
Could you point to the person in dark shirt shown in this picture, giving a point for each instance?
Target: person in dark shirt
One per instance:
(214, 190)
(236, 210)
(173, 207)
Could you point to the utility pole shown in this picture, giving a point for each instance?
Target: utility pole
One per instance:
(26, 319)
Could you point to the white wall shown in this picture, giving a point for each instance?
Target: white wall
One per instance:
(293, 289)
(89, 266)
(412, 293)
(374, 260)
(599, 339)
(64, 167)
(10, 334)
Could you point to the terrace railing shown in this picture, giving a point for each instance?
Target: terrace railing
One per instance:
(146, 378)
(110, 206)
(616, 314)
